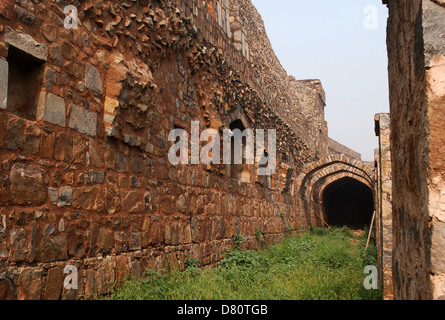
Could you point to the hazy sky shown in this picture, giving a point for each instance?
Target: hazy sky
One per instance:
(327, 40)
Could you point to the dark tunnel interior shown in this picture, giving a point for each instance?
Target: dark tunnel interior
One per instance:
(348, 202)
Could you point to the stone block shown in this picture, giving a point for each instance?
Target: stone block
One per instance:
(89, 198)
(110, 107)
(27, 186)
(30, 284)
(93, 79)
(96, 153)
(53, 249)
(49, 229)
(99, 177)
(6, 290)
(121, 241)
(32, 139)
(105, 276)
(105, 240)
(51, 109)
(54, 284)
(50, 75)
(137, 165)
(65, 197)
(24, 16)
(167, 206)
(181, 204)
(4, 73)
(90, 283)
(80, 147)
(50, 32)
(122, 269)
(133, 201)
(47, 147)
(53, 195)
(26, 43)
(4, 193)
(122, 163)
(83, 121)
(7, 10)
(18, 245)
(2, 130)
(112, 199)
(14, 134)
(64, 147)
(135, 241)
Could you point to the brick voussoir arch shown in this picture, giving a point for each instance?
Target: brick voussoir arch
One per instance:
(320, 164)
(316, 176)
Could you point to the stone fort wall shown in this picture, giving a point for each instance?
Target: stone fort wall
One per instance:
(84, 121)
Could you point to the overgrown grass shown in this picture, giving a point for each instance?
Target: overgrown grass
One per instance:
(318, 265)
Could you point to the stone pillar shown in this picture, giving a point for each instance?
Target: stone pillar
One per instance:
(384, 204)
(417, 105)
(377, 222)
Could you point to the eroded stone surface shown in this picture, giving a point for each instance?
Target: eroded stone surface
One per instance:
(93, 79)
(83, 121)
(27, 186)
(52, 108)
(26, 43)
(417, 123)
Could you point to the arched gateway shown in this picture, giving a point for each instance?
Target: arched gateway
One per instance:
(337, 191)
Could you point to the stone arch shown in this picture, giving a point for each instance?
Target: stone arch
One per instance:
(240, 172)
(318, 176)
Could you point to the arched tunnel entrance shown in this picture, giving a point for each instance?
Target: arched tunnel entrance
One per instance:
(348, 202)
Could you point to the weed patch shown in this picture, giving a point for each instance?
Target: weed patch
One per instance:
(318, 265)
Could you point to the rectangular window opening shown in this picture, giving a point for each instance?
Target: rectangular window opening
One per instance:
(25, 81)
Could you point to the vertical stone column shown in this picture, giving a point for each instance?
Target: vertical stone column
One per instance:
(417, 101)
(434, 39)
(377, 222)
(384, 210)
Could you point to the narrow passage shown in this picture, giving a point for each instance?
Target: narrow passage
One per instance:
(348, 202)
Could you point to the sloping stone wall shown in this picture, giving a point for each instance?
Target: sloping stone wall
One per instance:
(336, 148)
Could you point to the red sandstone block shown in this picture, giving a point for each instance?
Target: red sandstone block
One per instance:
(122, 269)
(64, 147)
(133, 201)
(3, 118)
(6, 290)
(30, 284)
(54, 284)
(89, 198)
(7, 9)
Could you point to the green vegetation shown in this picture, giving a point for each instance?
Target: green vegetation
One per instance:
(322, 264)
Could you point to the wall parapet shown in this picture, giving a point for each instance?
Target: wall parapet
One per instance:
(337, 148)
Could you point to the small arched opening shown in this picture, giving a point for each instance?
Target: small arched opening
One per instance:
(239, 171)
